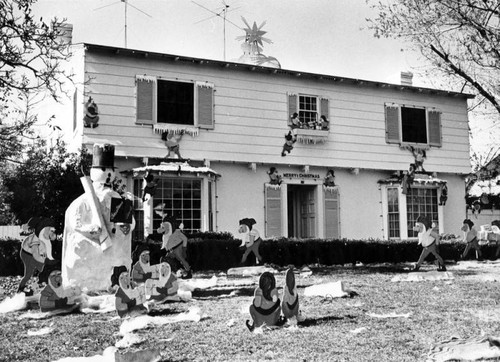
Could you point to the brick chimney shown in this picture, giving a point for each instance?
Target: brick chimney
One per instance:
(407, 78)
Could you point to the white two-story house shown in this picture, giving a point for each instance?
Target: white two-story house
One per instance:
(230, 120)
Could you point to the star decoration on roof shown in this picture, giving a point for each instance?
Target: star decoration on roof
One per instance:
(254, 34)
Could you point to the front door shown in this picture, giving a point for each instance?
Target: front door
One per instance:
(302, 211)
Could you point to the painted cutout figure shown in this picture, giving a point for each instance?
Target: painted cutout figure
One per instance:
(266, 305)
(251, 239)
(129, 301)
(408, 179)
(95, 240)
(142, 269)
(36, 249)
(470, 237)
(175, 243)
(172, 140)
(150, 187)
(428, 238)
(444, 195)
(274, 176)
(166, 286)
(290, 305)
(91, 118)
(288, 145)
(420, 156)
(54, 296)
(329, 179)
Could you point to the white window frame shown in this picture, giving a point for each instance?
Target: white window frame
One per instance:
(403, 219)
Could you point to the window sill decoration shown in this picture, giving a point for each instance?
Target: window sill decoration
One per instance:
(160, 128)
(173, 168)
(311, 135)
(419, 179)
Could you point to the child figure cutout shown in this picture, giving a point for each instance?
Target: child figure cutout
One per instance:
(470, 237)
(265, 308)
(54, 296)
(172, 142)
(429, 239)
(251, 240)
(274, 176)
(408, 179)
(165, 287)
(290, 305)
(129, 301)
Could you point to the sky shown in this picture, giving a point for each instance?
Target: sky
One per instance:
(320, 36)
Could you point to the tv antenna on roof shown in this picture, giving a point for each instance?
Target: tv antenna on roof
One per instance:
(221, 13)
(126, 2)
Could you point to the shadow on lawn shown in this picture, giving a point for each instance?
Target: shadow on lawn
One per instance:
(323, 320)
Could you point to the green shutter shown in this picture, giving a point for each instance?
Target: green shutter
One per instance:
(332, 222)
(392, 124)
(145, 90)
(273, 211)
(434, 118)
(292, 106)
(324, 108)
(205, 106)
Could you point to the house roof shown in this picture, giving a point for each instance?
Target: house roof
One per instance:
(263, 69)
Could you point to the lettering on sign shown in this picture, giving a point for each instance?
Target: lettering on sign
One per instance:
(301, 175)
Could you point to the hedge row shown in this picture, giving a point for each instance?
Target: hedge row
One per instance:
(220, 251)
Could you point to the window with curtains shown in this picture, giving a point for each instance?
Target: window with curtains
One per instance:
(413, 125)
(165, 101)
(393, 212)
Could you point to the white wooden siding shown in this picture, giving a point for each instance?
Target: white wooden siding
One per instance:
(251, 115)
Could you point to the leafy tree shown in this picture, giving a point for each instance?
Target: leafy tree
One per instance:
(46, 182)
(460, 39)
(32, 58)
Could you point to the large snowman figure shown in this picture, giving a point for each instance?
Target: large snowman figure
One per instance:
(97, 228)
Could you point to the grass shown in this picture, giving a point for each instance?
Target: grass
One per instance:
(464, 307)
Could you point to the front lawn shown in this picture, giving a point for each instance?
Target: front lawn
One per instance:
(385, 321)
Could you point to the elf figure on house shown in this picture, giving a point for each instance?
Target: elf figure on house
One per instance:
(428, 238)
(266, 305)
(470, 237)
(251, 239)
(408, 179)
(288, 145)
(290, 305)
(129, 301)
(36, 249)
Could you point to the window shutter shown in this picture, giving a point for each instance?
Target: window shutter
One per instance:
(292, 106)
(273, 211)
(392, 124)
(434, 118)
(145, 90)
(205, 105)
(332, 224)
(324, 108)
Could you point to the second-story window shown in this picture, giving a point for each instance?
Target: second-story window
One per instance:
(175, 102)
(164, 101)
(308, 109)
(413, 125)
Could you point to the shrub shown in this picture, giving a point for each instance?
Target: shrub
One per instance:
(220, 251)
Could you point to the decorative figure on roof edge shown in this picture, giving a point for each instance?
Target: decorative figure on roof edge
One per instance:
(91, 117)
